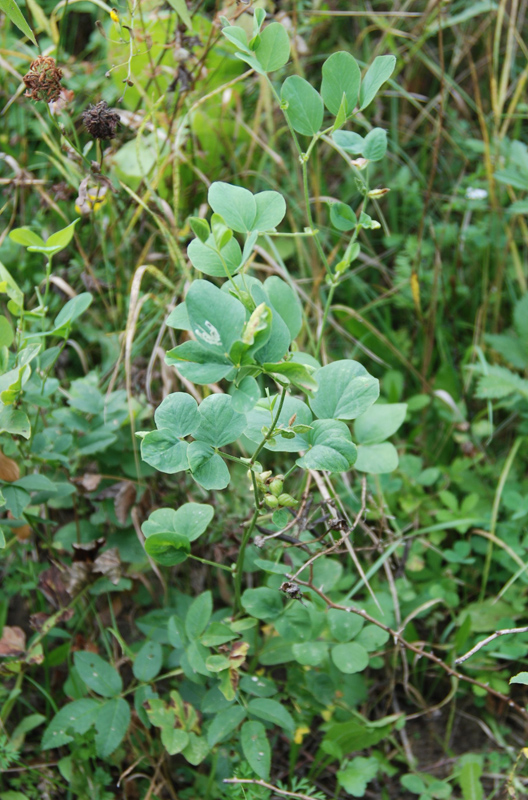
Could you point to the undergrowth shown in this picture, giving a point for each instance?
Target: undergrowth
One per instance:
(264, 351)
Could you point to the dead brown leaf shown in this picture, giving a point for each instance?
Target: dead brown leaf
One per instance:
(109, 565)
(89, 481)
(9, 469)
(51, 584)
(13, 641)
(124, 500)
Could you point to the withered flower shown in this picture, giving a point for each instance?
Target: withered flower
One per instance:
(43, 81)
(100, 121)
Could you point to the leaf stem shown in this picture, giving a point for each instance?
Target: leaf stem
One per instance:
(247, 534)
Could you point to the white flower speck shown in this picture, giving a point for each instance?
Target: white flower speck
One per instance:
(476, 194)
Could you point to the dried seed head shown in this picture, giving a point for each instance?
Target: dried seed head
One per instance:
(43, 81)
(100, 121)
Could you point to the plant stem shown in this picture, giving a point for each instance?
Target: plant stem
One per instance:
(495, 511)
(269, 434)
(303, 158)
(211, 563)
(326, 311)
(247, 534)
(48, 278)
(240, 560)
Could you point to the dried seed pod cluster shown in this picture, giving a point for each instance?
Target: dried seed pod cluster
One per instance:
(43, 81)
(100, 121)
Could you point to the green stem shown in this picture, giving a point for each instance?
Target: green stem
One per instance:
(303, 158)
(48, 278)
(240, 560)
(326, 311)
(495, 511)
(269, 434)
(211, 563)
(251, 527)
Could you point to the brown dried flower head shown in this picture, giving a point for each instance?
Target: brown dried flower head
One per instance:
(43, 81)
(100, 121)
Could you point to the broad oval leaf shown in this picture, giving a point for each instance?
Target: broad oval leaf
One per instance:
(26, 237)
(350, 658)
(207, 467)
(375, 144)
(190, 520)
(345, 391)
(271, 208)
(111, 724)
(148, 661)
(331, 447)
(262, 603)
(285, 301)
(344, 625)
(310, 654)
(198, 615)
(343, 217)
(168, 548)
(349, 141)
(164, 451)
(272, 711)
(273, 50)
(216, 317)
(235, 204)
(341, 76)
(379, 422)
(179, 413)
(78, 717)
(220, 424)
(98, 674)
(376, 459)
(305, 108)
(73, 309)
(224, 724)
(205, 258)
(379, 71)
(198, 364)
(256, 748)
(246, 395)
(237, 36)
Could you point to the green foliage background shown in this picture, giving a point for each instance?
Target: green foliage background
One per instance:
(147, 650)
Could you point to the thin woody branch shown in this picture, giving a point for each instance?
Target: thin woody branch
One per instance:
(487, 640)
(398, 638)
(265, 785)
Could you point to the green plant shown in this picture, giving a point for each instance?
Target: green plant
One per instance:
(253, 614)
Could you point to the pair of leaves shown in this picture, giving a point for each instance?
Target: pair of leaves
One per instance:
(111, 718)
(169, 533)
(213, 424)
(375, 455)
(341, 89)
(36, 244)
(373, 146)
(253, 739)
(235, 209)
(345, 390)
(268, 51)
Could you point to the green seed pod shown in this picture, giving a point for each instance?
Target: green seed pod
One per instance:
(271, 501)
(276, 486)
(286, 499)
